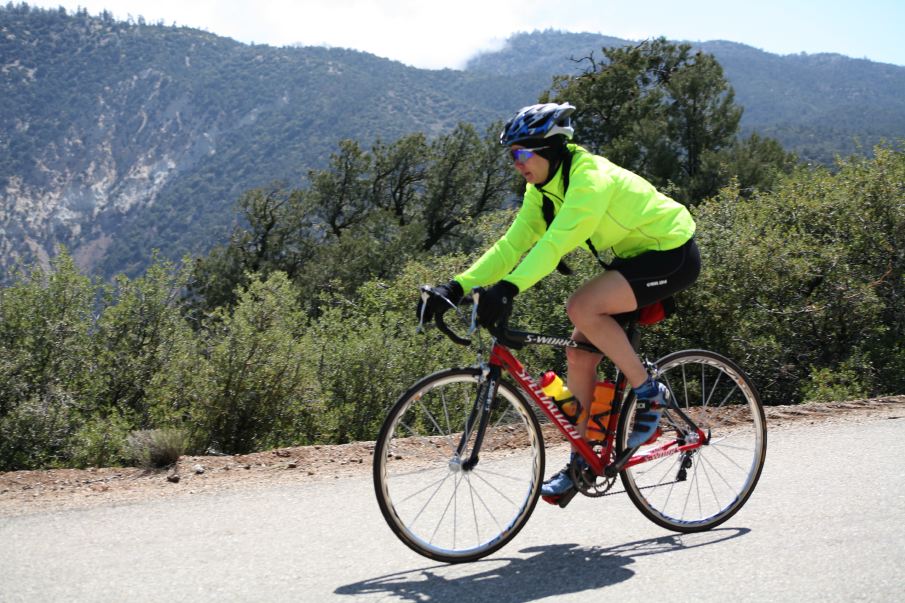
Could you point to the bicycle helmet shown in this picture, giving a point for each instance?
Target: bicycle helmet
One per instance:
(538, 122)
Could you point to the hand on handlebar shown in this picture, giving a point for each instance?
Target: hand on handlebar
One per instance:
(494, 319)
(496, 304)
(435, 301)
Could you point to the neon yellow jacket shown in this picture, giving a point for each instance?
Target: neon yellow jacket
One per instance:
(612, 206)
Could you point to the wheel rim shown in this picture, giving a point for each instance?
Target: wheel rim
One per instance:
(718, 476)
(439, 507)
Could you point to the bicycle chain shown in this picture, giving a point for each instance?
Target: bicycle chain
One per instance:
(593, 489)
(642, 488)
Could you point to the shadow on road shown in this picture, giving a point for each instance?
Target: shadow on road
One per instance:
(558, 569)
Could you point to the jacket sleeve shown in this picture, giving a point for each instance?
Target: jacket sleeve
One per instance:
(499, 260)
(579, 216)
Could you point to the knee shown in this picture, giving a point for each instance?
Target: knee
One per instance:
(578, 309)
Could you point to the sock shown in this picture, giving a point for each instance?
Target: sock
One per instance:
(575, 456)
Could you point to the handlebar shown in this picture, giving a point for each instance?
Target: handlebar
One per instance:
(501, 331)
(426, 292)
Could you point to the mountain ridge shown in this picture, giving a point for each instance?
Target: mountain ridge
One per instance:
(117, 138)
(787, 97)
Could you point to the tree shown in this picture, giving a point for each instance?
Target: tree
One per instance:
(656, 109)
(361, 218)
(276, 232)
(341, 195)
(756, 162)
(400, 170)
(467, 178)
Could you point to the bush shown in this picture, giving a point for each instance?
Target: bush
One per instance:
(848, 381)
(241, 382)
(805, 282)
(100, 442)
(156, 448)
(35, 434)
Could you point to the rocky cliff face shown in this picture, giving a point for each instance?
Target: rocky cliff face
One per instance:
(117, 160)
(93, 128)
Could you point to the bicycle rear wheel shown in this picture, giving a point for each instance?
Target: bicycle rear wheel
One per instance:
(702, 488)
(435, 503)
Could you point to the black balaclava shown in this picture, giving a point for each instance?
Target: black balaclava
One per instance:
(552, 149)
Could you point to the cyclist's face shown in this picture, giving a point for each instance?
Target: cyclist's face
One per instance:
(534, 169)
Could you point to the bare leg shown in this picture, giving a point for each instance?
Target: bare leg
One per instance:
(582, 377)
(590, 309)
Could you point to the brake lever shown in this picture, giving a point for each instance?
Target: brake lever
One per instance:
(425, 295)
(476, 296)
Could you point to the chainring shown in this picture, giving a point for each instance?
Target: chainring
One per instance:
(589, 484)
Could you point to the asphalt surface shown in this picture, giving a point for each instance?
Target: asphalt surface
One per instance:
(826, 523)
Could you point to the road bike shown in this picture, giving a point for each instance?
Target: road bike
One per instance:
(459, 460)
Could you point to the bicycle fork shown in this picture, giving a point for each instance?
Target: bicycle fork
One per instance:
(478, 419)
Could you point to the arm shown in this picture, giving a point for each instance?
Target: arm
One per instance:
(499, 260)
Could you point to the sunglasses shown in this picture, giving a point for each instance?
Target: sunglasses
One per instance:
(523, 155)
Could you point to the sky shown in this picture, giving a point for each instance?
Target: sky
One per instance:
(435, 35)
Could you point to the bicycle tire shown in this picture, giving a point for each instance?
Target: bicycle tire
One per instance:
(435, 506)
(720, 476)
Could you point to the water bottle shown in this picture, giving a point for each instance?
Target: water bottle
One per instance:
(553, 386)
(601, 407)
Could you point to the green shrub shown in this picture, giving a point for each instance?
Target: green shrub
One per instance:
(805, 281)
(100, 442)
(35, 434)
(156, 448)
(849, 381)
(241, 382)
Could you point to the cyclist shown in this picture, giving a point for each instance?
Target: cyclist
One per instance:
(574, 198)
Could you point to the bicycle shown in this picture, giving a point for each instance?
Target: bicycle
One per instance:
(459, 460)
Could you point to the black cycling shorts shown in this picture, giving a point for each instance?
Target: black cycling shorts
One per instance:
(655, 275)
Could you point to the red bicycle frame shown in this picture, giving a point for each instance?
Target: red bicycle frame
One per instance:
(502, 357)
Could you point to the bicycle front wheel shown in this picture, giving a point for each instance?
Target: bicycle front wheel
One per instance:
(702, 488)
(437, 503)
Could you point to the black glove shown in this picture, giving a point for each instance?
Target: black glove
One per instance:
(435, 302)
(495, 304)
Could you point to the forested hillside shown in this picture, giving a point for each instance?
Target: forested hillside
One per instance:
(818, 105)
(117, 138)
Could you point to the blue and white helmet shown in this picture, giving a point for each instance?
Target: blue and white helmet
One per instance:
(538, 121)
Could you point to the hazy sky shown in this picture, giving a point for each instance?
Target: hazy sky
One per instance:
(431, 34)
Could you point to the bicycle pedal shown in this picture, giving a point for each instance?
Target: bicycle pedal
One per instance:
(562, 500)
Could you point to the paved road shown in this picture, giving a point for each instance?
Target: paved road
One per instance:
(826, 523)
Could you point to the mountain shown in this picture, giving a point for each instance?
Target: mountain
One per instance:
(818, 105)
(120, 137)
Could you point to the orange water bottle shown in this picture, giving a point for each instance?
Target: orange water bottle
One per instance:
(552, 385)
(600, 411)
